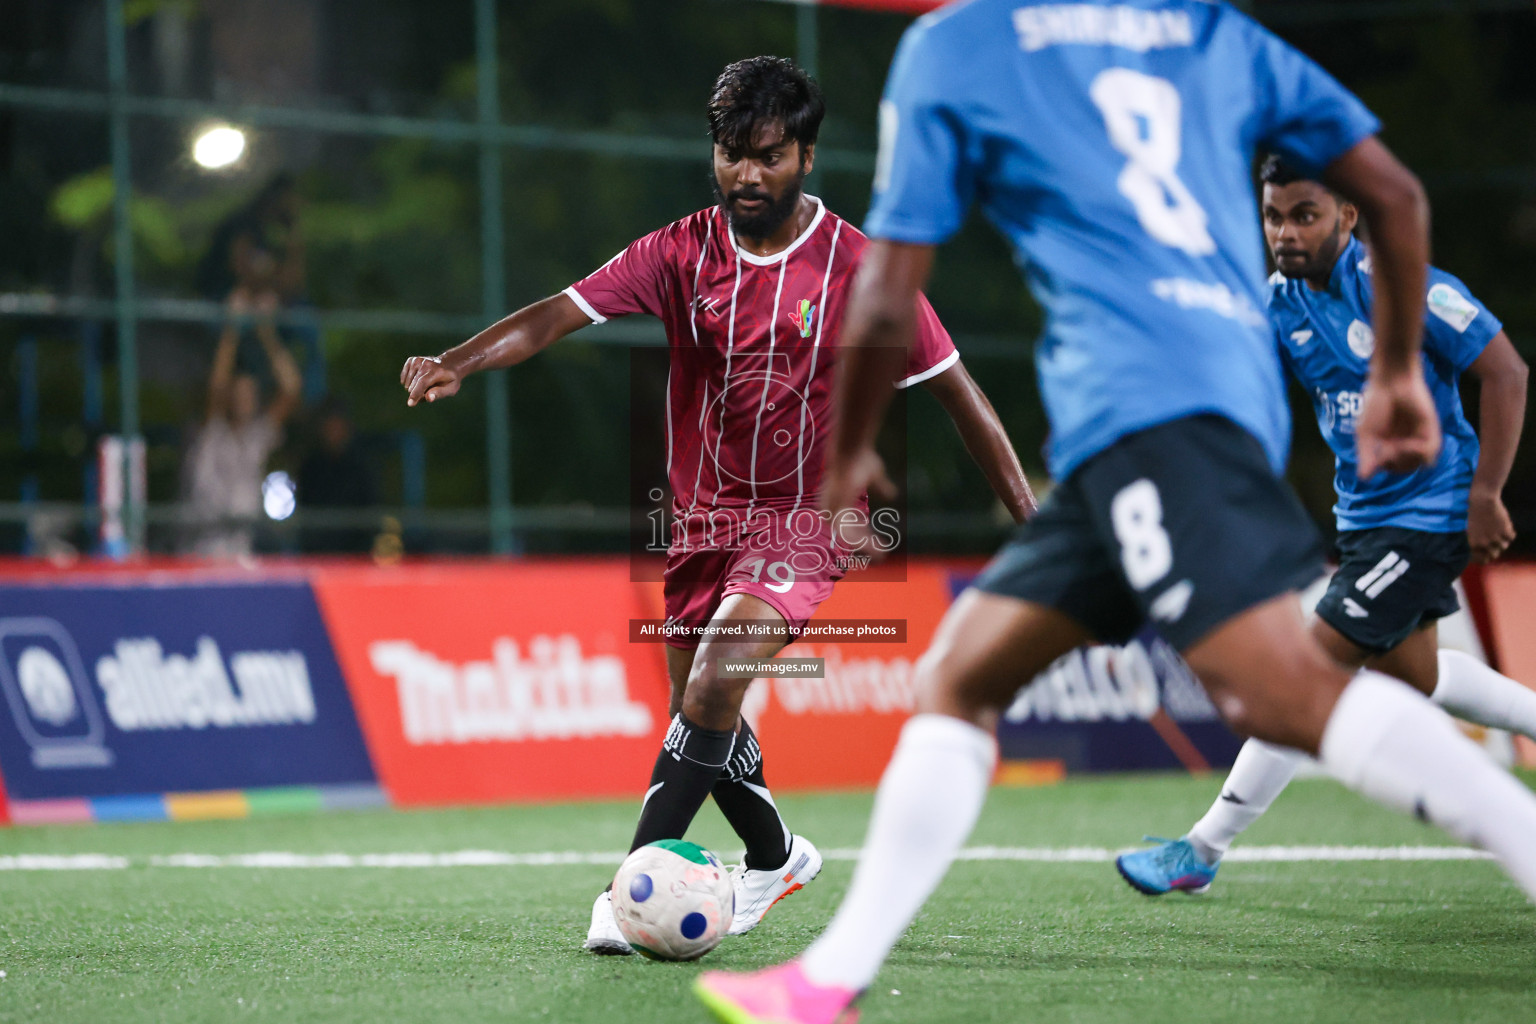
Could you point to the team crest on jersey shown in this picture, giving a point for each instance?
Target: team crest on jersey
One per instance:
(1362, 340)
(803, 316)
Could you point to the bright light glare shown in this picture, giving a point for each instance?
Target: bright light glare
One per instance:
(277, 495)
(218, 147)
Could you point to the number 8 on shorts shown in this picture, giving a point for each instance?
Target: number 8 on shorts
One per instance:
(1145, 550)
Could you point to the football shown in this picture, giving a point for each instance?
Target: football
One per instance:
(673, 900)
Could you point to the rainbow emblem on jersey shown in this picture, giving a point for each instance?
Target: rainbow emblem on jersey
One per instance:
(803, 317)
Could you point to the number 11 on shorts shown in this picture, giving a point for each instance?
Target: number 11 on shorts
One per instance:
(1146, 553)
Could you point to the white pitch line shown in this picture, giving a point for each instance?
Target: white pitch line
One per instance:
(55, 862)
(1269, 854)
(494, 858)
(457, 859)
(1294, 854)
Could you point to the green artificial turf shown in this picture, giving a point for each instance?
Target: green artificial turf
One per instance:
(1000, 941)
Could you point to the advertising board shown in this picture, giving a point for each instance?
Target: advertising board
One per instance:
(115, 694)
(479, 683)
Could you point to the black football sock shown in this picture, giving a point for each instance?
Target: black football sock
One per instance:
(690, 762)
(742, 795)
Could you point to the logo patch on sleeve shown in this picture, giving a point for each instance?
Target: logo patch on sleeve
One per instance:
(1451, 306)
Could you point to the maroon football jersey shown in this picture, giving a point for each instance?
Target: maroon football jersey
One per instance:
(751, 338)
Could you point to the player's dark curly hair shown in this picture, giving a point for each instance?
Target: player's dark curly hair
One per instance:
(760, 89)
(1275, 171)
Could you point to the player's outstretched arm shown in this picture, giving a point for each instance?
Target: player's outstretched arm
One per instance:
(1502, 374)
(222, 372)
(877, 332)
(505, 343)
(290, 381)
(1398, 429)
(984, 438)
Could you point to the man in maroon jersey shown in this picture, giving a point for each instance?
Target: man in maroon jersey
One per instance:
(752, 292)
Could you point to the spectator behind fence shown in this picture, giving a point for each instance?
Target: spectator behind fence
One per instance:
(258, 248)
(336, 474)
(228, 459)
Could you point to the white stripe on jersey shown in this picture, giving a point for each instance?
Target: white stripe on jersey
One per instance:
(932, 371)
(698, 476)
(730, 347)
(762, 401)
(693, 323)
(585, 306)
(669, 419)
(821, 322)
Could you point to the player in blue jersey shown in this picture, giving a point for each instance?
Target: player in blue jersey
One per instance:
(1403, 540)
(1113, 144)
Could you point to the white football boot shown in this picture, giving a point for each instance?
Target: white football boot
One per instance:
(603, 935)
(756, 891)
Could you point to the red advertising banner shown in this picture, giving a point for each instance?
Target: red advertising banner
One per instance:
(518, 681)
(1510, 592)
(477, 683)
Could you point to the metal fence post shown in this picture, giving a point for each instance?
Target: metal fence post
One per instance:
(808, 56)
(125, 314)
(498, 427)
(807, 40)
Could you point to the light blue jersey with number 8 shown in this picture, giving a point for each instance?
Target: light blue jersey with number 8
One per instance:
(1113, 144)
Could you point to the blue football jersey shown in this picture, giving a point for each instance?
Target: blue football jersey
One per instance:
(1113, 144)
(1325, 340)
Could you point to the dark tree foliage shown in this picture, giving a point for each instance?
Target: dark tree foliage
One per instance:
(395, 223)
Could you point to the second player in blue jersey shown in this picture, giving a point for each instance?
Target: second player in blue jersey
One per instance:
(1323, 329)
(1403, 539)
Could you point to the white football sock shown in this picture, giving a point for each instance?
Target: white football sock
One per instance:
(1386, 741)
(1471, 690)
(927, 804)
(1258, 775)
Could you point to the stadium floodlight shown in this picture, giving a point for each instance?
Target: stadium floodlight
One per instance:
(218, 146)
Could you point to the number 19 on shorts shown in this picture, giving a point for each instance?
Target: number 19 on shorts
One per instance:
(1146, 553)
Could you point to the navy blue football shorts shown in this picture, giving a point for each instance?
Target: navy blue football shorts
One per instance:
(1182, 525)
(1392, 582)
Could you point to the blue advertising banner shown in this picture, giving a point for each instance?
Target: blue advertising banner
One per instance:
(1110, 709)
(119, 690)
(1114, 709)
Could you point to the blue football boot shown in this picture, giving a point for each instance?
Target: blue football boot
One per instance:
(1172, 864)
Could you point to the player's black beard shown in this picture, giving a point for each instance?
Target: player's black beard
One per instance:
(1319, 267)
(772, 216)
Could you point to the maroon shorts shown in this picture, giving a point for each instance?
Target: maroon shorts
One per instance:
(792, 572)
